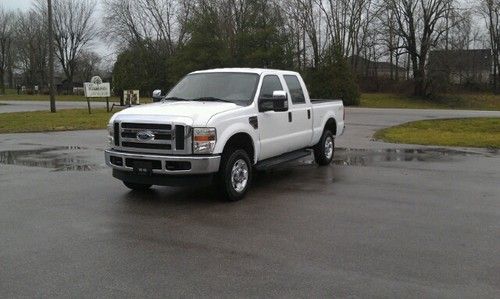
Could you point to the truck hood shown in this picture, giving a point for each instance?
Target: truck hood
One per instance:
(187, 112)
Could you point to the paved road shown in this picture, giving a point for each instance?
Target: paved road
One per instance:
(20, 106)
(383, 221)
(362, 123)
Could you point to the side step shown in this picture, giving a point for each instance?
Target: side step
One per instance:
(275, 161)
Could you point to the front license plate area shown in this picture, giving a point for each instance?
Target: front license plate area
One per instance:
(143, 167)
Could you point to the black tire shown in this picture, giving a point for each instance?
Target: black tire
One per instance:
(226, 187)
(322, 155)
(136, 186)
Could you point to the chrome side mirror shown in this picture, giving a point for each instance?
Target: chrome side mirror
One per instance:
(157, 95)
(278, 102)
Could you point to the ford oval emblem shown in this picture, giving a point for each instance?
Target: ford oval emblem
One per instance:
(145, 136)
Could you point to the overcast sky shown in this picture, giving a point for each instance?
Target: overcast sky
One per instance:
(16, 4)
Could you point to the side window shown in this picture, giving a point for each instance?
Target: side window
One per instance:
(295, 88)
(270, 84)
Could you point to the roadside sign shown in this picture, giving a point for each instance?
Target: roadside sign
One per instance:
(97, 89)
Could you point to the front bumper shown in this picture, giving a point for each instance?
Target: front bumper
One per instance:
(189, 165)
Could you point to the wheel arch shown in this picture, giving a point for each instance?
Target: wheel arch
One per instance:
(241, 140)
(331, 124)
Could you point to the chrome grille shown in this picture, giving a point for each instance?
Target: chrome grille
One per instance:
(168, 138)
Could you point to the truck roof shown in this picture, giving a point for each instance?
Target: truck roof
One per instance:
(258, 71)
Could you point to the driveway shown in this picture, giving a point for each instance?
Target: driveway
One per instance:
(383, 220)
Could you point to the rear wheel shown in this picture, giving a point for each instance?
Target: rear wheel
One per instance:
(235, 174)
(137, 187)
(323, 151)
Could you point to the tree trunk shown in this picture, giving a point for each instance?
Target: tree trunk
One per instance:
(495, 73)
(391, 55)
(2, 80)
(418, 77)
(397, 67)
(419, 89)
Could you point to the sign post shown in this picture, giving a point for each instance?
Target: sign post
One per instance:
(97, 89)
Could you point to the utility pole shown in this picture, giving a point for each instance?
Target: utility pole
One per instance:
(51, 60)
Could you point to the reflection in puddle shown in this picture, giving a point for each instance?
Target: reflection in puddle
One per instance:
(53, 157)
(364, 157)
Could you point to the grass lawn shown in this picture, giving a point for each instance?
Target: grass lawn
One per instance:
(44, 121)
(480, 101)
(466, 132)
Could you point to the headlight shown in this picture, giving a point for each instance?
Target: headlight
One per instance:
(111, 134)
(204, 140)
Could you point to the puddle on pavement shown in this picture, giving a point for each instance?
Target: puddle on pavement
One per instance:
(65, 158)
(58, 158)
(366, 157)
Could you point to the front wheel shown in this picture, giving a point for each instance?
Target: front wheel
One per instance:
(235, 175)
(323, 151)
(137, 187)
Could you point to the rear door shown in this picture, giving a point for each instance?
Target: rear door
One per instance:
(274, 127)
(299, 114)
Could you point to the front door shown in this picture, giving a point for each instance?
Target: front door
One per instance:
(273, 126)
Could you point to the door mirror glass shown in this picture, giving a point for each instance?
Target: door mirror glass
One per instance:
(157, 95)
(278, 102)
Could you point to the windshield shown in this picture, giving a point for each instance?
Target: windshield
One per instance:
(238, 88)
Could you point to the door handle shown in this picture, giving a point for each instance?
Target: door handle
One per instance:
(308, 113)
(289, 117)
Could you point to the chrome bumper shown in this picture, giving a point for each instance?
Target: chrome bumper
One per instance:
(199, 165)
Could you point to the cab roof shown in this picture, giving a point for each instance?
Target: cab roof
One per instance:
(257, 71)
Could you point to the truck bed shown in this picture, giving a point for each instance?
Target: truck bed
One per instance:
(322, 109)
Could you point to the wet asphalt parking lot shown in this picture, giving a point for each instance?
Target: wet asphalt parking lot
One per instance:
(384, 220)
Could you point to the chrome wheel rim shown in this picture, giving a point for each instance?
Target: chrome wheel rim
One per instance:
(239, 175)
(329, 147)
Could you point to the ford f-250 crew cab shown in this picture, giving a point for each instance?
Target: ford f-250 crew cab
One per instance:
(219, 126)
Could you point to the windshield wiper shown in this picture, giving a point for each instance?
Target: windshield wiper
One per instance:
(174, 99)
(211, 99)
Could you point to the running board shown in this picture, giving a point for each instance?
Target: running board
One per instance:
(272, 162)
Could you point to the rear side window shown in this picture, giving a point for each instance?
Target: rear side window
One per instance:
(270, 84)
(295, 88)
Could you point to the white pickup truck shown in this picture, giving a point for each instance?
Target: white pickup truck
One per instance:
(218, 126)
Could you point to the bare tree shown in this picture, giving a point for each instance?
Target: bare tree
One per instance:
(307, 17)
(6, 41)
(74, 30)
(390, 41)
(491, 12)
(344, 24)
(31, 46)
(421, 23)
(141, 21)
(88, 63)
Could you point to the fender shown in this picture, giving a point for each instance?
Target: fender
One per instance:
(318, 130)
(233, 129)
(327, 117)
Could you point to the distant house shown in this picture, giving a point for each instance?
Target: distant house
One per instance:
(461, 66)
(65, 87)
(376, 69)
